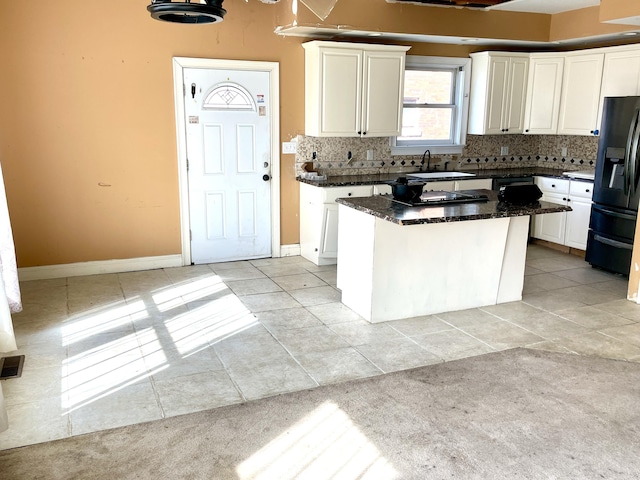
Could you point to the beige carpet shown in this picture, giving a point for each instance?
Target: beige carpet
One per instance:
(514, 414)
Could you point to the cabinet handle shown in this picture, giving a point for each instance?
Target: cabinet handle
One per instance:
(553, 185)
(568, 199)
(359, 133)
(527, 130)
(349, 194)
(364, 133)
(564, 199)
(587, 190)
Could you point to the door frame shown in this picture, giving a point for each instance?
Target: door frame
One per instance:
(273, 68)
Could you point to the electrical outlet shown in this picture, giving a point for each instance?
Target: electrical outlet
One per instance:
(564, 151)
(369, 154)
(289, 147)
(504, 150)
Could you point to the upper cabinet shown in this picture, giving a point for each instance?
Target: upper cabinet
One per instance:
(498, 92)
(580, 96)
(621, 74)
(353, 89)
(543, 94)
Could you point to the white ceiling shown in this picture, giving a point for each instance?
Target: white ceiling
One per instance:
(545, 6)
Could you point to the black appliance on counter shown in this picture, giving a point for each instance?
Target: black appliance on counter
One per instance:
(616, 192)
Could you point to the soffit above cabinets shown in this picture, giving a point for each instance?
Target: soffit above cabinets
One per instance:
(342, 32)
(526, 6)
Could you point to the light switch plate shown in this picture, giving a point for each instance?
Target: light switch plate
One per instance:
(504, 150)
(564, 151)
(289, 147)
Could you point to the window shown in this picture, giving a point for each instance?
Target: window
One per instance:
(434, 113)
(228, 96)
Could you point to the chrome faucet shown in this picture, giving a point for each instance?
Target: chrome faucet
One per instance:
(426, 152)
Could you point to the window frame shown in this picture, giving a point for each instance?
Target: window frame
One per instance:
(461, 110)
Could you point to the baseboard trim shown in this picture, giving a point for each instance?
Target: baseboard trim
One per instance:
(98, 267)
(289, 250)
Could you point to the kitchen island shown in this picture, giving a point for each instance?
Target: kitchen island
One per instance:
(397, 261)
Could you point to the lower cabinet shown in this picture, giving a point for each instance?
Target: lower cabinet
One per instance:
(474, 184)
(319, 220)
(566, 228)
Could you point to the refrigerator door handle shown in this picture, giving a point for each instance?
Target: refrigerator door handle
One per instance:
(613, 243)
(629, 166)
(634, 156)
(606, 211)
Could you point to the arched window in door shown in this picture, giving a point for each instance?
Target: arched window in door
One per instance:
(228, 96)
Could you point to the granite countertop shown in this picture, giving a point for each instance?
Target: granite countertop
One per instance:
(382, 206)
(373, 179)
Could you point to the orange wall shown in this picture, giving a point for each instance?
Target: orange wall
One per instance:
(581, 23)
(87, 99)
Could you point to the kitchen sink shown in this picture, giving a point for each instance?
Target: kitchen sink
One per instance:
(440, 174)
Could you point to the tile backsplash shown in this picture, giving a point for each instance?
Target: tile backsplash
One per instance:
(346, 155)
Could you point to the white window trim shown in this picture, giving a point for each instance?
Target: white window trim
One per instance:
(463, 98)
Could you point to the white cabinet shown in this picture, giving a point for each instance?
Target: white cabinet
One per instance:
(447, 186)
(319, 220)
(474, 184)
(577, 230)
(498, 92)
(564, 228)
(353, 89)
(544, 87)
(621, 74)
(580, 98)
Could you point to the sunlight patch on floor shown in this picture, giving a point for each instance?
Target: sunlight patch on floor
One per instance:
(324, 445)
(103, 370)
(188, 292)
(209, 323)
(103, 319)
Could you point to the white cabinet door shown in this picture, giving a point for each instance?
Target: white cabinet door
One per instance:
(329, 240)
(340, 92)
(620, 75)
(353, 89)
(516, 95)
(543, 95)
(475, 184)
(551, 226)
(498, 93)
(319, 220)
(580, 97)
(577, 229)
(382, 92)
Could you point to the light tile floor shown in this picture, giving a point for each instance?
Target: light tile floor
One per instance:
(110, 350)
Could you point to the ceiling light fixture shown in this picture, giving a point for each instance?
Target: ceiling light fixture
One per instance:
(207, 11)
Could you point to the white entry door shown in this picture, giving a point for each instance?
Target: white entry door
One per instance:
(228, 140)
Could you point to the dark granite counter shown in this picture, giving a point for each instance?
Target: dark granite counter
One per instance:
(373, 179)
(382, 206)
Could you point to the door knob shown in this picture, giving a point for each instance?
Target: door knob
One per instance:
(266, 177)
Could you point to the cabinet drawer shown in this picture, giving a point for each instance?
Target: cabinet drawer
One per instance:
(552, 185)
(331, 193)
(581, 189)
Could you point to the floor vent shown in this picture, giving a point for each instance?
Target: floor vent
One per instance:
(11, 367)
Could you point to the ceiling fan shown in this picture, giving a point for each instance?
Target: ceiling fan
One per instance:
(188, 11)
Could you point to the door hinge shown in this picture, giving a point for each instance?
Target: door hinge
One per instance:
(187, 164)
(190, 236)
(184, 89)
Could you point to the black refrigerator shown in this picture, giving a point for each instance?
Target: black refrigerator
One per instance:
(616, 192)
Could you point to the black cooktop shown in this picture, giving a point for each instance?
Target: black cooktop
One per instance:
(440, 197)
